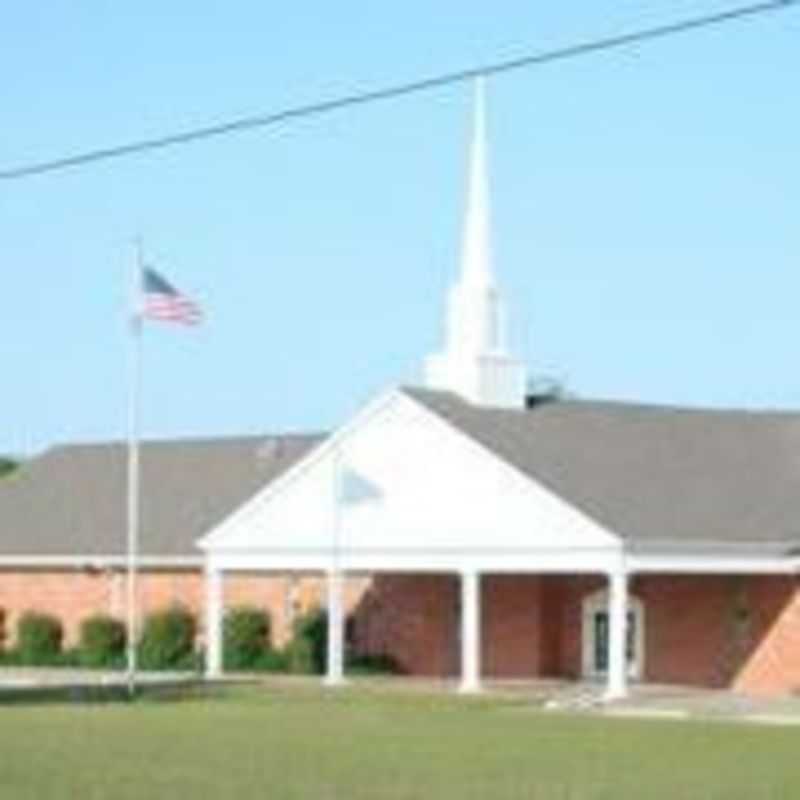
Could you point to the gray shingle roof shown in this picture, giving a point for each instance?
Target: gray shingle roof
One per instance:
(70, 501)
(662, 478)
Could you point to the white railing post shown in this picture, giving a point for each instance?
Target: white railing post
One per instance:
(334, 674)
(214, 610)
(617, 683)
(470, 631)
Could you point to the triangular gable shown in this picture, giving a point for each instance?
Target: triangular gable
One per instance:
(433, 489)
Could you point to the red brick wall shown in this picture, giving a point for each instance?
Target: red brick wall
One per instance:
(716, 631)
(69, 595)
(741, 632)
(413, 618)
(705, 630)
(513, 641)
(689, 624)
(772, 662)
(73, 595)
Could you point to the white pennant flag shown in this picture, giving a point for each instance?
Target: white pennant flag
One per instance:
(355, 489)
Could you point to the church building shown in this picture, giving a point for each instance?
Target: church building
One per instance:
(462, 527)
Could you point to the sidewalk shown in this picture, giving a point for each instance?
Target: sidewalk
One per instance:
(550, 696)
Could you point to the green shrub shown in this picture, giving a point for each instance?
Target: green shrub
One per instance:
(167, 640)
(245, 637)
(102, 641)
(39, 638)
(271, 661)
(307, 651)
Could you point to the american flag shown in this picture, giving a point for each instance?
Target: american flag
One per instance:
(163, 302)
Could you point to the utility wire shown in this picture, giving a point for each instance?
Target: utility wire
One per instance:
(399, 90)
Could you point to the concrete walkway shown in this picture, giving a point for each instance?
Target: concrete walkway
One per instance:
(688, 703)
(664, 702)
(645, 701)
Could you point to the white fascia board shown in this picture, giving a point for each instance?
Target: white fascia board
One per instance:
(718, 564)
(100, 562)
(613, 539)
(529, 562)
(208, 540)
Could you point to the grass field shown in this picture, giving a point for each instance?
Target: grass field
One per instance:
(303, 743)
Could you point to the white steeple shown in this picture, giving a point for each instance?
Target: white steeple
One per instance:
(474, 362)
(476, 255)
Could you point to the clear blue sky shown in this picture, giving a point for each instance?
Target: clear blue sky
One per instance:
(646, 207)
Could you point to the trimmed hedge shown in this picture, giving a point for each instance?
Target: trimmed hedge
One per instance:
(39, 638)
(102, 641)
(167, 640)
(246, 637)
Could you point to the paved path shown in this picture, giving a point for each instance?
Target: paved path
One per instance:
(646, 701)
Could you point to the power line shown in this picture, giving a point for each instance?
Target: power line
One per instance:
(399, 90)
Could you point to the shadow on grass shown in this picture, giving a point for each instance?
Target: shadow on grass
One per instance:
(97, 694)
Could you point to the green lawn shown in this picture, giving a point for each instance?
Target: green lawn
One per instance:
(350, 744)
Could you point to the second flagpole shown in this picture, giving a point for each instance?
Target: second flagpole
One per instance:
(134, 392)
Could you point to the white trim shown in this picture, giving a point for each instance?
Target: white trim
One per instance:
(564, 562)
(599, 601)
(101, 562)
(527, 559)
(719, 563)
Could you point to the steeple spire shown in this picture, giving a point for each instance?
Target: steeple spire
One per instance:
(474, 362)
(476, 253)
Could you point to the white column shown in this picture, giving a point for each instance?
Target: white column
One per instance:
(617, 685)
(334, 675)
(470, 631)
(214, 610)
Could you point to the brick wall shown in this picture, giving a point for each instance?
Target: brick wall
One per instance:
(413, 618)
(514, 643)
(73, 595)
(769, 618)
(69, 595)
(715, 631)
(712, 631)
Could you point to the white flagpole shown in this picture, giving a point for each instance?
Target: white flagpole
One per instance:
(337, 508)
(134, 387)
(335, 669)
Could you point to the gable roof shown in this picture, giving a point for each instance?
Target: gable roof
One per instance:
(662, 478)
(71, 501)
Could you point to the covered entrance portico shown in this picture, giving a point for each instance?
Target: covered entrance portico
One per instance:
(473, 634)
(681, 622)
